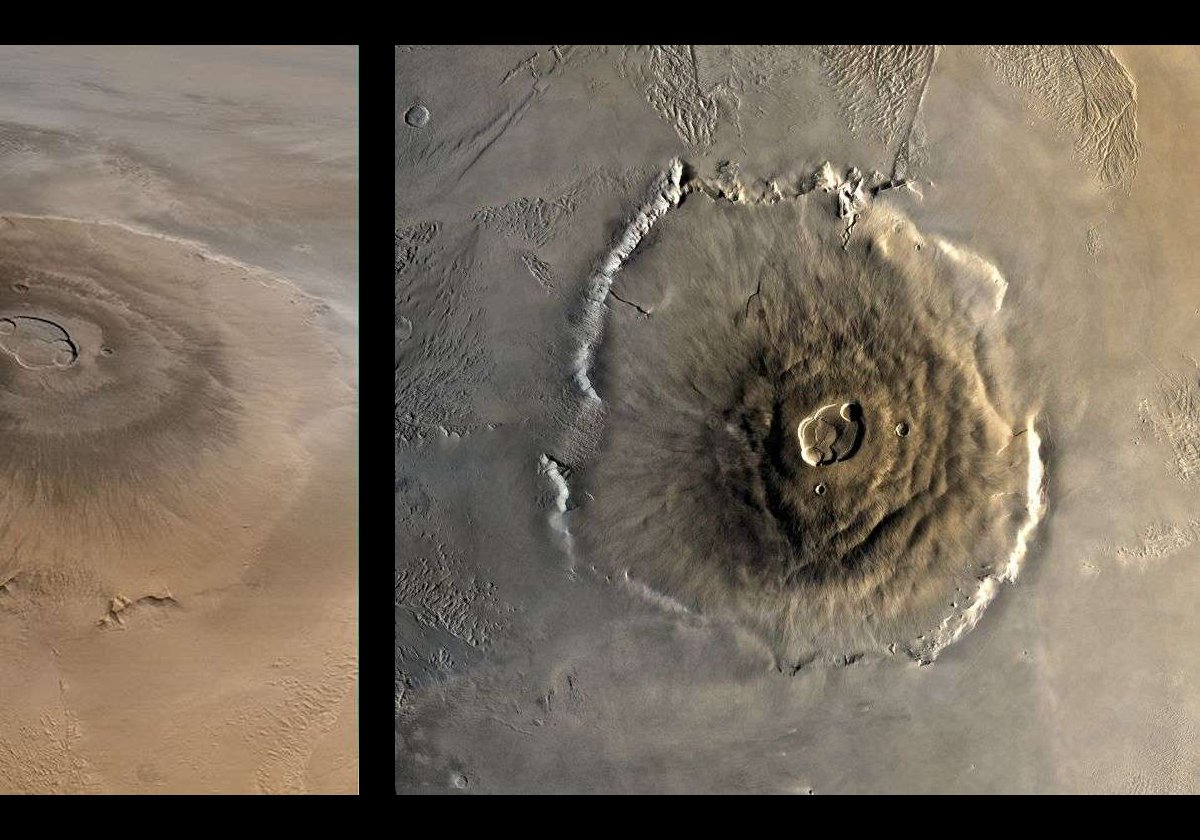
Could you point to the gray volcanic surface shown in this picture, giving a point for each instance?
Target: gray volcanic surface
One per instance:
(777, 419)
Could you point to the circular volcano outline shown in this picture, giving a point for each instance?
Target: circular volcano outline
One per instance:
(151, 460)
(667, 194)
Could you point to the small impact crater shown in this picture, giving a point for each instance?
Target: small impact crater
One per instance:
(417, 116)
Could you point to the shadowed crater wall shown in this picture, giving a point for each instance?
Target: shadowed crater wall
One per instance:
(37, 342)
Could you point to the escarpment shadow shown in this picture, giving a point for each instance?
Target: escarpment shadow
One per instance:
(714, 485)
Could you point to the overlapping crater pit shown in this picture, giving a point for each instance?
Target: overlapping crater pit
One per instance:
(758, 453)
(831, 434)
(37, 343)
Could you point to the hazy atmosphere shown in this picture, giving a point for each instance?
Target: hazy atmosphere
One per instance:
(178, 320)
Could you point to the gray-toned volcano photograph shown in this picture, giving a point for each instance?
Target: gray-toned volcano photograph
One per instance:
(790, 419)
(178, 407)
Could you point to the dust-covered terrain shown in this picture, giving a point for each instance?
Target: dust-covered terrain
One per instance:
(796, 419)
(177, 394)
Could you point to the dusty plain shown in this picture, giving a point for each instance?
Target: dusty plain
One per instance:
(797, 419)
(178, 398)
